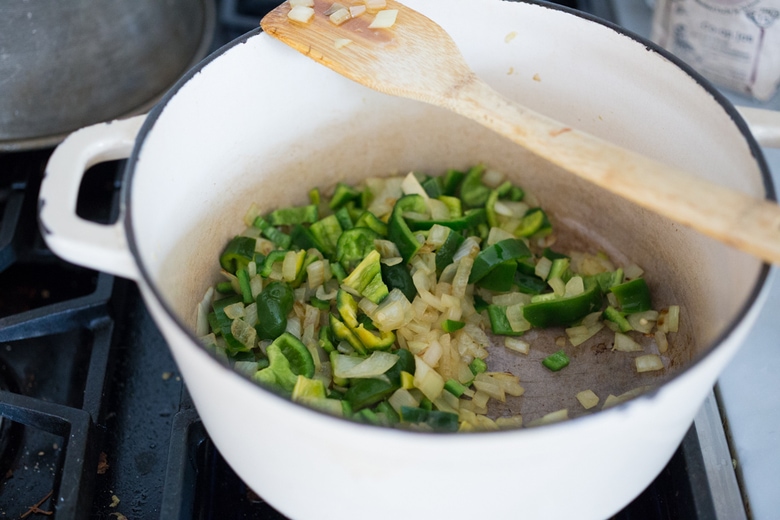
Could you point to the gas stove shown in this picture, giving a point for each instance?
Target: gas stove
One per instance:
(96, 421)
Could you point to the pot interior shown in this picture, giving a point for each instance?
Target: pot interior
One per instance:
(262, 124)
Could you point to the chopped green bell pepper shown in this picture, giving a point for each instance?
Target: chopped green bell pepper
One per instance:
(492, 256)
(398, 230)
(366, 279)
(354, 245)
(397, 277)
(274, 303)
(633, 296)
(556, 361)
(293, 215)
(238, 253)
(564, 311)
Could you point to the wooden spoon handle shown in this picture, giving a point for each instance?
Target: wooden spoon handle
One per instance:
(742, 221)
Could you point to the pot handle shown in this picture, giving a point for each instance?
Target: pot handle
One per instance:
(89, 244)
(764, 125)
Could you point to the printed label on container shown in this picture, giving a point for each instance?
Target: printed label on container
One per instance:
(733, 43)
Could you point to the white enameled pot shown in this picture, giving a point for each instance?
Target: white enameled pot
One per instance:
(257, 122)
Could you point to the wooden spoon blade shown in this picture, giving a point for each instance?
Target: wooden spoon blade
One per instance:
(415, 58)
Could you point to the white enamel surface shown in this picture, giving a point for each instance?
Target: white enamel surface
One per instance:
(102, 247)
(263, 124)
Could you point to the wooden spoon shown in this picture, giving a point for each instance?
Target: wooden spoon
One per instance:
(417, 59)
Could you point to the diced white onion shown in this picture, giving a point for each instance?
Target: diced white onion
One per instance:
(357, 10)
(575, 286)
(542, 268)
(202, 320)
(433, 354)
(244, 333)
(588, 399)
(612, 400)
(558, 287)
(510, 383)
(402, 397)
(648, 363)
(343, 363)
(580, 334)
(427, 380)
(250, 314)
(516, 319)
(508, 423)
(374, 365)
(661, 341)
(632, 271)
(552, 417)
(485, 383)
(669, 319)
(643, 321)
(335, 6)
(315, 273)
(290, 266)
(492, 178)
(437, 235)
(624, 343)
(340, 16)
(384, 19)
(235, 310)
(301, 14)
(497, 235)
(373, 5)
(518, 345)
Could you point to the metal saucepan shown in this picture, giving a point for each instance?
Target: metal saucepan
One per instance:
(257, 122)
(71, 64)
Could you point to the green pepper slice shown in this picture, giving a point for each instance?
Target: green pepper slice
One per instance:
(501, 278)
(342, 195)
(354, 245)
(299, 357)
(237, 254)
(564, 311)
(274, 235)
(369, 220)
(616, 317)
(293, 215)
(446, 252)
(534, 223)
(366, 392)
(451, 181)
(632, 296)
(432, 187)
(272, 258)
(436, 419)
(274, 303)
(397, 277)
(278, 374)
(473, 193)
(398, 230)
(471, 218)
(342, 332)
(556, 361)
(366, 279)
(492, 256)
(344, 218)
(326, 232)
